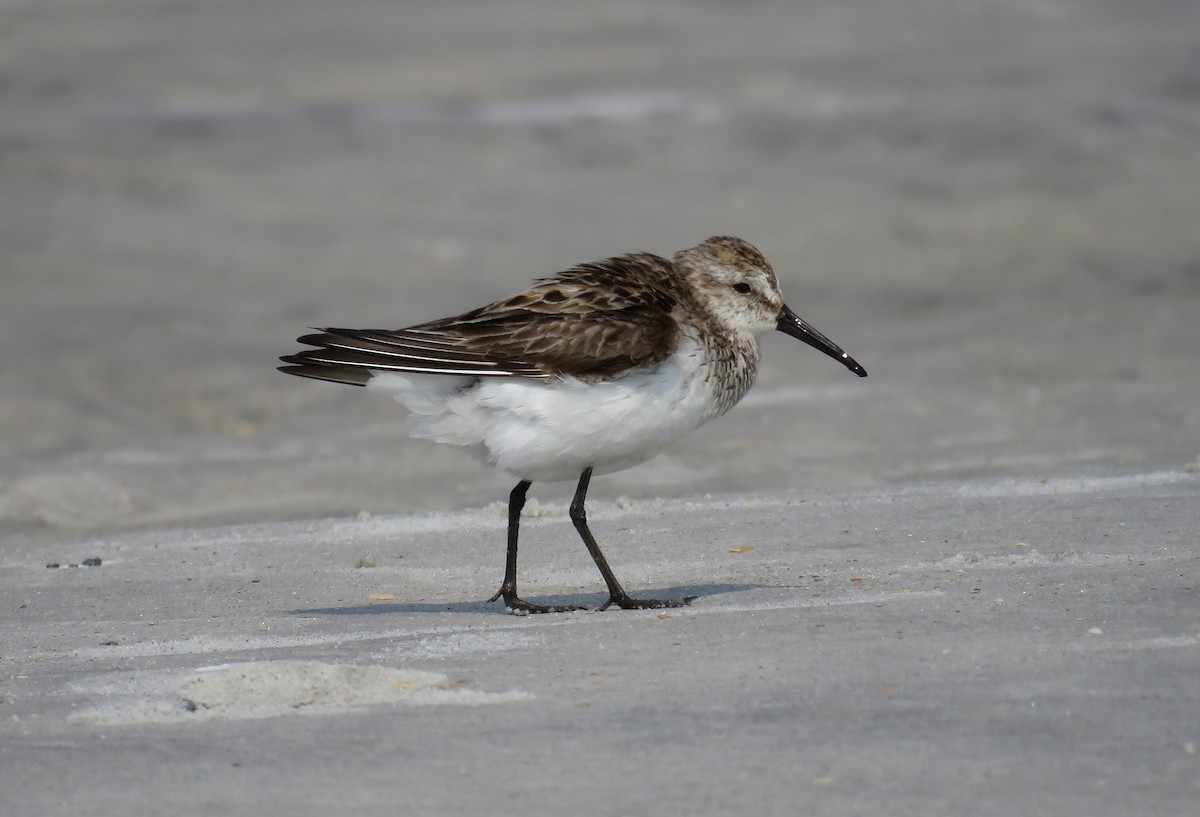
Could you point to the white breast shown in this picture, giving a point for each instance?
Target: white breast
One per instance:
(548, 431)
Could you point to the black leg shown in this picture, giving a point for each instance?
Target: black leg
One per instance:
(508, 590)
(616, 593)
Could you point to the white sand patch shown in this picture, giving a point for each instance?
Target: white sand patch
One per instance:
(469, 643)
(1073, 485)
(266, 689)
(1027, 557)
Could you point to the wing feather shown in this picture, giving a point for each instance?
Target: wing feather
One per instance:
(593, 321)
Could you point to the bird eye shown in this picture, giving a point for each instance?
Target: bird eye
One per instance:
(742, 288)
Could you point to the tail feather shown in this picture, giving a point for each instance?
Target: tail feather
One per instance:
(355, 355)
(350, 375)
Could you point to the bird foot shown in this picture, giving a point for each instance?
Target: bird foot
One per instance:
(519, 607)
(627, 603)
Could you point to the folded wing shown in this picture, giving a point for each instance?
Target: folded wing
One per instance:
(591, 322)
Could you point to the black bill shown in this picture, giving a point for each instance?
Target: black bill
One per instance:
(791, 324)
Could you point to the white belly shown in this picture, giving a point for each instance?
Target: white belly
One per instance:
(548, 431)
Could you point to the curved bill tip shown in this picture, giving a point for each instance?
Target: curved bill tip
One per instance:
(791, 324)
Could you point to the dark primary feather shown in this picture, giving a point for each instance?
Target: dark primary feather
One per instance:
(592, 321)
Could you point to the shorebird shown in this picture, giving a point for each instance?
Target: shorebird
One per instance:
(592, 370)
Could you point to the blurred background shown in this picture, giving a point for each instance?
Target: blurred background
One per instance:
(992, 205)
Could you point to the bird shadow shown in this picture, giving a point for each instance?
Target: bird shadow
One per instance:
(589, 601)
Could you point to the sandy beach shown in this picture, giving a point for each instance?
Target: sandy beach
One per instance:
(967, 584)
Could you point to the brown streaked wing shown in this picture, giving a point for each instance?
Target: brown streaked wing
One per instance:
(592, 321)
(349, 356)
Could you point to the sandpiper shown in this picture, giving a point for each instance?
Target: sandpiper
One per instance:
(592, 370)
